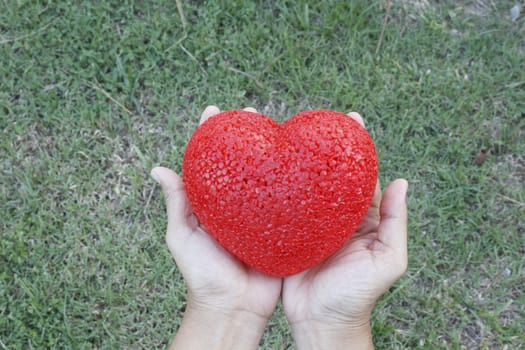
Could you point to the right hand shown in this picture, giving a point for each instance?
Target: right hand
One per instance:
(329, 305)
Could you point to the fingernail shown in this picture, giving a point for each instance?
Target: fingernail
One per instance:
(357, 117)
(155, 176)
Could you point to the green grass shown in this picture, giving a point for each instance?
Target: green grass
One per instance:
(93, 94)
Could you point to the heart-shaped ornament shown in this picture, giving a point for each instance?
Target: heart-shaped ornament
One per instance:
(280, 197)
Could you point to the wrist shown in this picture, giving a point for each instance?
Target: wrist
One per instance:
(321, 335)
(209, 328)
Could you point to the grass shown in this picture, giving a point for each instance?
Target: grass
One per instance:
(93, 94)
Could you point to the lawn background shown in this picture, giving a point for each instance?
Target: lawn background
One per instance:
(93, 94)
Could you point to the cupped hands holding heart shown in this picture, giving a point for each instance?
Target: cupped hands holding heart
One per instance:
(309, 212)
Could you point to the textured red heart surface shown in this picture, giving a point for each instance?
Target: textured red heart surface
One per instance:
(280, 197)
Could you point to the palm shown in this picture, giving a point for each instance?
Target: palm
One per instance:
(349, 282)
(222, 281)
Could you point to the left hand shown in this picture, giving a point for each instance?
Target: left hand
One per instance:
(218, 284)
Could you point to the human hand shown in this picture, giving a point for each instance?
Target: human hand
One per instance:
(329, 306)
(228, 303)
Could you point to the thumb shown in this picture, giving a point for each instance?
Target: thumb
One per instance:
(177, 206)
(393, 225)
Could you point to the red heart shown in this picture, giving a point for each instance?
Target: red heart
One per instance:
(281, 198)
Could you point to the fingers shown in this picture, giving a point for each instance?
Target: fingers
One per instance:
(357, 117)
(209, 112)
(212, 110)
(177, 206)
(393, 224)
